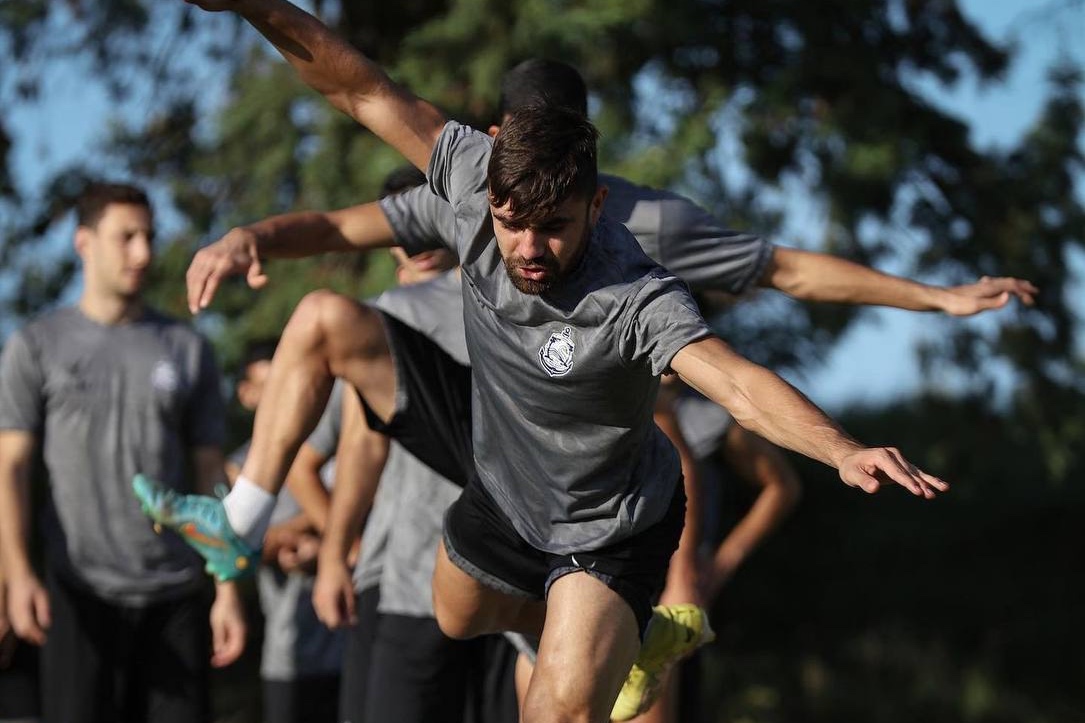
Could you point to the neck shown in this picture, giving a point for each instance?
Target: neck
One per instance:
(110, 310)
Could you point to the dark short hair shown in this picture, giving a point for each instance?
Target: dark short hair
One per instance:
(542, 156)
(540, 81)
(258, 350)
(96, 197)
(402, 179)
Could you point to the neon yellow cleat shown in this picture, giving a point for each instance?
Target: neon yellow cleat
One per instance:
(674, 632)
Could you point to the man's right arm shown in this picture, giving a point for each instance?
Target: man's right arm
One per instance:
(337, 70)
(28, 606)
(359, 463)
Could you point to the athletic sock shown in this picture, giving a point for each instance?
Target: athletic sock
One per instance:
(248, 508)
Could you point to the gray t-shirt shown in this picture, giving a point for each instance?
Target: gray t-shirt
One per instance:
(703, 423)
(674, 231)
(108, 402)
(564, 383)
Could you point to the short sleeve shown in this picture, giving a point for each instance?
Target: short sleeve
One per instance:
(694, 246)
(22, 387)
(457, 170)
(660, 319)
(325, 438)
(206, 423)
(420, 220)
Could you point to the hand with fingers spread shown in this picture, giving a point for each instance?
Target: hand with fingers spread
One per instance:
(987, 293)
(234, 254)
(869, 469)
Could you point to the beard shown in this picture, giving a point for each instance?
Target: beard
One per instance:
(533, 286)
(549, 262)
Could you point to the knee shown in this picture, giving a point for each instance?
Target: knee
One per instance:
(315, 313)
(557, 701)
(452, 622)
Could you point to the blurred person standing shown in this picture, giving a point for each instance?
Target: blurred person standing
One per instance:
(109, 388)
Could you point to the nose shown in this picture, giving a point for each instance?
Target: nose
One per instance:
(532, 245)
(139, 250)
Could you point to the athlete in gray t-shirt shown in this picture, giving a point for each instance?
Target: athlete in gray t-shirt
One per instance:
(560, 306)
(107, 389)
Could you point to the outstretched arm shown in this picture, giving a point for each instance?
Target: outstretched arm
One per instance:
(337, 70)
(767, 405)
(813, 276)
(289, 235)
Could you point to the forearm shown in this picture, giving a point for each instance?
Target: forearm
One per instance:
(14, 519)
(359, 465)
(770, 508)
(309, 233)
(307, 487)
(820, 277)
(691, 531)
(762, 402)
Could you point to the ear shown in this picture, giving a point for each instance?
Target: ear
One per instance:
(493, 131)
(595, 208)
(81, 240)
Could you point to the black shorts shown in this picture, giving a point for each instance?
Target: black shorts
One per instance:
(482, 542)
(432, 420)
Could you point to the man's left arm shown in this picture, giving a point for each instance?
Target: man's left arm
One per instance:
(765, 404)
(228, 628)
(683, 575)
(811, 276)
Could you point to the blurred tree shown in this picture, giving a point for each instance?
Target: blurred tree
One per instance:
(823, 95)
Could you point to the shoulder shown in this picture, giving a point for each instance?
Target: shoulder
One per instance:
(47, 326)
(171, 329)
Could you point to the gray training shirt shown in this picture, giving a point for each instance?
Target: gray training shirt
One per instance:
(564, 383)
(107, 402)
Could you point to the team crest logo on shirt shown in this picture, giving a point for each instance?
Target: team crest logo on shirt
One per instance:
(556, 354)
(164, 377)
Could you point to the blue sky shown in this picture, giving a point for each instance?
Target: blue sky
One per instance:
(875, 361)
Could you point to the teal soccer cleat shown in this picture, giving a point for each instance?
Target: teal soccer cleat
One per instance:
(201, 522)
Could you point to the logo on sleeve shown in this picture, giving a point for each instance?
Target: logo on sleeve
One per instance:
(556, 354)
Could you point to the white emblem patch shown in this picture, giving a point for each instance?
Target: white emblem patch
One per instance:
(164, 377)
(556, 354)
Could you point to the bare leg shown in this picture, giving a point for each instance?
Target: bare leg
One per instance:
(587, 648)
(328, 336)
(466, 608)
